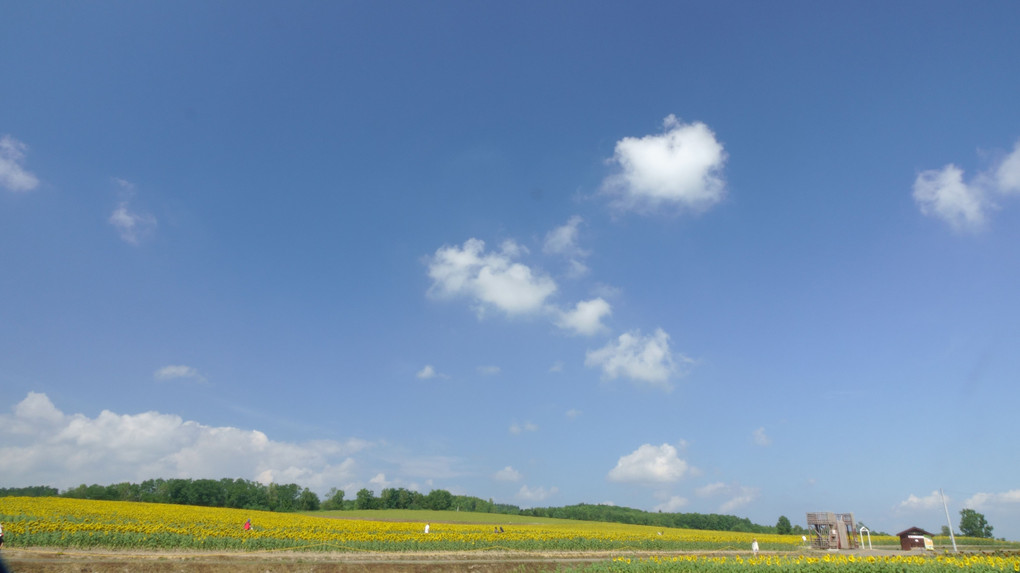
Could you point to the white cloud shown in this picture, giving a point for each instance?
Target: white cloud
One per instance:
(516, 428)
(984, 501)
(536, 494)
(488, 370)
(563, 240)
(428, 372)
(672, 505)
(931, 501)
(13, 176)
(736, 495)
(42, 445)
(943, 194)
(131, 225)
(179, 371)
(379, 481)
(965, 206)
(1007, 176)
(507, 474)
(557, 366)
(744, 497)
(641, 358)
(760, 438)
(586, 317)
(573, 414)
(682, 167)
(649, 464)
(711, 489)
(491, 280)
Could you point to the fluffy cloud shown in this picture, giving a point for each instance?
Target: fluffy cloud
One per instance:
(672, 505)
(491, 280)
(932, 500)
(649, 464)
(736, 495)
(760, 438)
(507, 474)
(642, 358)
(943, 194)
(428, 372)
(13, 176)
(983, 501)
(682, 167)
(965, 205)
(179, 371)
(586, 317)
(488, 370)
(536, 494)
(42, 445)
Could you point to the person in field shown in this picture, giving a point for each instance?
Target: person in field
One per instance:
(1, 536)
(247, 525)
(426, 528)
(754, 546)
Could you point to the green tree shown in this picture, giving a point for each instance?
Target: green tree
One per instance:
(366, 500)
(308, 500)
(783, 526)
(973, 524)
(438, 499)
(334, 499)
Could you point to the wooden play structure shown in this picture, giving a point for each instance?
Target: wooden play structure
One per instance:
(833, 530)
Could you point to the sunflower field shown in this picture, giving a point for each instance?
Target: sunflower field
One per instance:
(792, 563)
(65, 522)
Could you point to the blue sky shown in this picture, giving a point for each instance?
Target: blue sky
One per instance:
(739, 257)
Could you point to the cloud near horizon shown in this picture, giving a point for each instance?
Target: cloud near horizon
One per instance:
(914, 502)
(536, 494)
(679, 168)
(44, 446)
(507, 474)
(650, 465)
(736, 495)
(985, 501)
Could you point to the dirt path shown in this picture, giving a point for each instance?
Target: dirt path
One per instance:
(56, 561)
(48, 560)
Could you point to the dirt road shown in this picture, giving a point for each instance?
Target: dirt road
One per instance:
(55, 561)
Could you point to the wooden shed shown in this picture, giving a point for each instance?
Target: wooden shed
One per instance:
(914, 538)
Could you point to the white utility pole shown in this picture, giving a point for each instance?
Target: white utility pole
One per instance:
(949, 521)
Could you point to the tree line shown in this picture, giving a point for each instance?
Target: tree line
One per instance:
(620, 514)
(233, 493)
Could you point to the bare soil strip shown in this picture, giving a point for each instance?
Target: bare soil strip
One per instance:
(49, 560)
